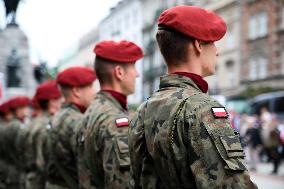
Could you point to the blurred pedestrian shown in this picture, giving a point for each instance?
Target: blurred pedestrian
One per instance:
(253, 142)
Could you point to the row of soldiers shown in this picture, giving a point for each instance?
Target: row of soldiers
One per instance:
(178, 138)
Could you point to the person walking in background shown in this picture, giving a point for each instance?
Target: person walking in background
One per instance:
(253, 141)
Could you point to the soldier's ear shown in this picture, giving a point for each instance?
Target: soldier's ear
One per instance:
(197, 46)
(119, 72)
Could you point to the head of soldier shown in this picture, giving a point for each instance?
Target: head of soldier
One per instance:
(48, 97)
(186, 36)
(20, 107)
(76, 85)
(115, 65)
(5, 111)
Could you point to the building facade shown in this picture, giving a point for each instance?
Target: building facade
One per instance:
(226, 80)
(80, 54)
(263, 43)
(153, 63)
(125, 23)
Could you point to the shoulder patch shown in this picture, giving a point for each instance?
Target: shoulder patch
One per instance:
(120, 122)
(219, 112)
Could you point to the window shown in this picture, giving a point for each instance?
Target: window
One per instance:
(258, 67)
(231, 73)
(262, 67)
(253, 69)
(258, 25)
(230, 38)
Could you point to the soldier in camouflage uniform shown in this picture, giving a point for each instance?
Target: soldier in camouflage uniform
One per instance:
(11, 145)
(48, 98)
(76, 86)
(5, 117)
(180, 137)
(106, 120)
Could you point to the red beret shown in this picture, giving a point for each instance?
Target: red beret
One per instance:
(194, 22)
(5, 107)
(19, 101)
(47, 90)
(123, 51)
(76, 76)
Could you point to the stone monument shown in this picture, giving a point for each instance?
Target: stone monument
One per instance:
(14, 56)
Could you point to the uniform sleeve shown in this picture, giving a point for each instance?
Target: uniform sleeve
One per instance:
(142, 167)
(115, 151)
(215, 153)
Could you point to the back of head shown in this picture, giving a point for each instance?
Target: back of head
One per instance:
(110, 54)
(181, 25)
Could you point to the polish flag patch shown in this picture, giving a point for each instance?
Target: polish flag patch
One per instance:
(220, 112)
(122, 122)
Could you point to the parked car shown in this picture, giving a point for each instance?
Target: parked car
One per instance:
(273, 101)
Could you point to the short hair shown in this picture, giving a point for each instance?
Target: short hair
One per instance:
(65, 90)
(104, 68)
(173, 46)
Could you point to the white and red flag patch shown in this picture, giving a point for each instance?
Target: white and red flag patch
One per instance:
(219, 112)
(122, 122)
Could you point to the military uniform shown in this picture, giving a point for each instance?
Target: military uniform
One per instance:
(35, 178)
(14, 131)
(62, 136)
(177, 141)
(4, 168)
(106, 143)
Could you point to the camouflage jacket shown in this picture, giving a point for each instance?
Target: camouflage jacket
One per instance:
(106, 142)
(175, 141)
(62, 163)
(14, 136)
(36, 142)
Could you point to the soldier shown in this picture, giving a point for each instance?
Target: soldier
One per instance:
(5, 117)
(14, 135)
(76, 85)
(106, 120)
(5, 113)
(48, 100)
(180, 137)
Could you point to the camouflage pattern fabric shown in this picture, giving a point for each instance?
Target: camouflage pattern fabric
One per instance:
(106, 143)
(176, 142)
(84, 175)
(63, 160)
(35, 178)
(9, 147)
(4, 168)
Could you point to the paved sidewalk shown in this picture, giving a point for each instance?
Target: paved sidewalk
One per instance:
(265, 180)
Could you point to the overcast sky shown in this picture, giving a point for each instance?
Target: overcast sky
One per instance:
(53, 26)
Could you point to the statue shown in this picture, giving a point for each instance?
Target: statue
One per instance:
(11, 8)
(13, 68)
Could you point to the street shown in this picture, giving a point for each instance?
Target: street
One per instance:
(265, 180)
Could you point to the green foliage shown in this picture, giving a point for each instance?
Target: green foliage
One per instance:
(254, 91)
